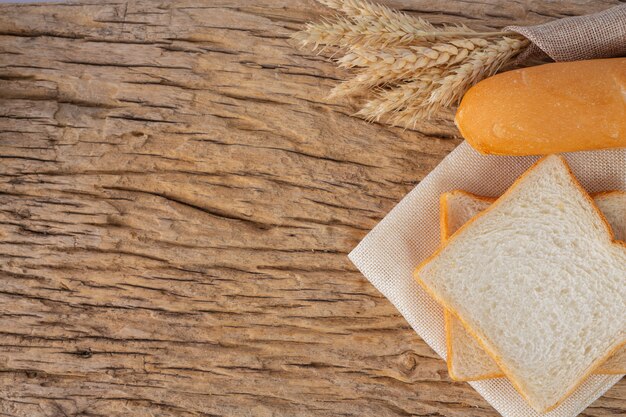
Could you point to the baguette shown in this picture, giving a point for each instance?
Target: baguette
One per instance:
(558, 308)
(551, 108)
(467, 360)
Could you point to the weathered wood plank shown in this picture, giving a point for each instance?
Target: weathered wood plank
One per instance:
(177, 202)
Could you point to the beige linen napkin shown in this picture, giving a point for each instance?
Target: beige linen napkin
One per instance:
(388, 254)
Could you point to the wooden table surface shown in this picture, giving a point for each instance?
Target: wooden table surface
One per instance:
(178, 198)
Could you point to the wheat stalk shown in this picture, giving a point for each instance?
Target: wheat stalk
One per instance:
(389, 101)
(483, 64)
(452, 85)
(412, 68)
(389, 66)
(372, 25)
(345, 33)
(395, 20)
(441, 87)
(382, 15)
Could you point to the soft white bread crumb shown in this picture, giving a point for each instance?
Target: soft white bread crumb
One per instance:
(467, 360)
(613, 206)
(557, 309)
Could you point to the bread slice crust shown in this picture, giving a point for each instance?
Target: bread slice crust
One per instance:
(448, 318)
(598, 361)
(613, 366)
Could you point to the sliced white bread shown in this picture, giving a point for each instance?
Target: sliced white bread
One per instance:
(467, 360)
(557, 309)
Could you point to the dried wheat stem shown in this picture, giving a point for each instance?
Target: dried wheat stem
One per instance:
(345, 34)
(378, 26)
(393, 100)
(384, 67)
(399, 58)
(414, 68)
(363, 9)
(394, 20)
(399, 21)
(439, 87)
(451, 87)
(483, 64)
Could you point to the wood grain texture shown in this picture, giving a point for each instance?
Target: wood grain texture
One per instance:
(177, 202)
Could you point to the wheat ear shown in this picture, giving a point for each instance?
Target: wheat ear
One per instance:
(450, 88)
(412, 68)
(372, 25)
(392, 19)
(390, 66)
(388, 101)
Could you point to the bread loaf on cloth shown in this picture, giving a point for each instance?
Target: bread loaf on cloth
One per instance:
(557, 309)
(551, 108)
(467, 360)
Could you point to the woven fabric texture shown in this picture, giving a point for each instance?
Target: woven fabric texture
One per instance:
(599, 35)
(409, 234)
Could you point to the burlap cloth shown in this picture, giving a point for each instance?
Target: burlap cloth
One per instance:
(599, 35)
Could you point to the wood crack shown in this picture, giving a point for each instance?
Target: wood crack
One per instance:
(178, 198)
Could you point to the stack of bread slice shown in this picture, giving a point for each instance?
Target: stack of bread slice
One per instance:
(533, 284)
